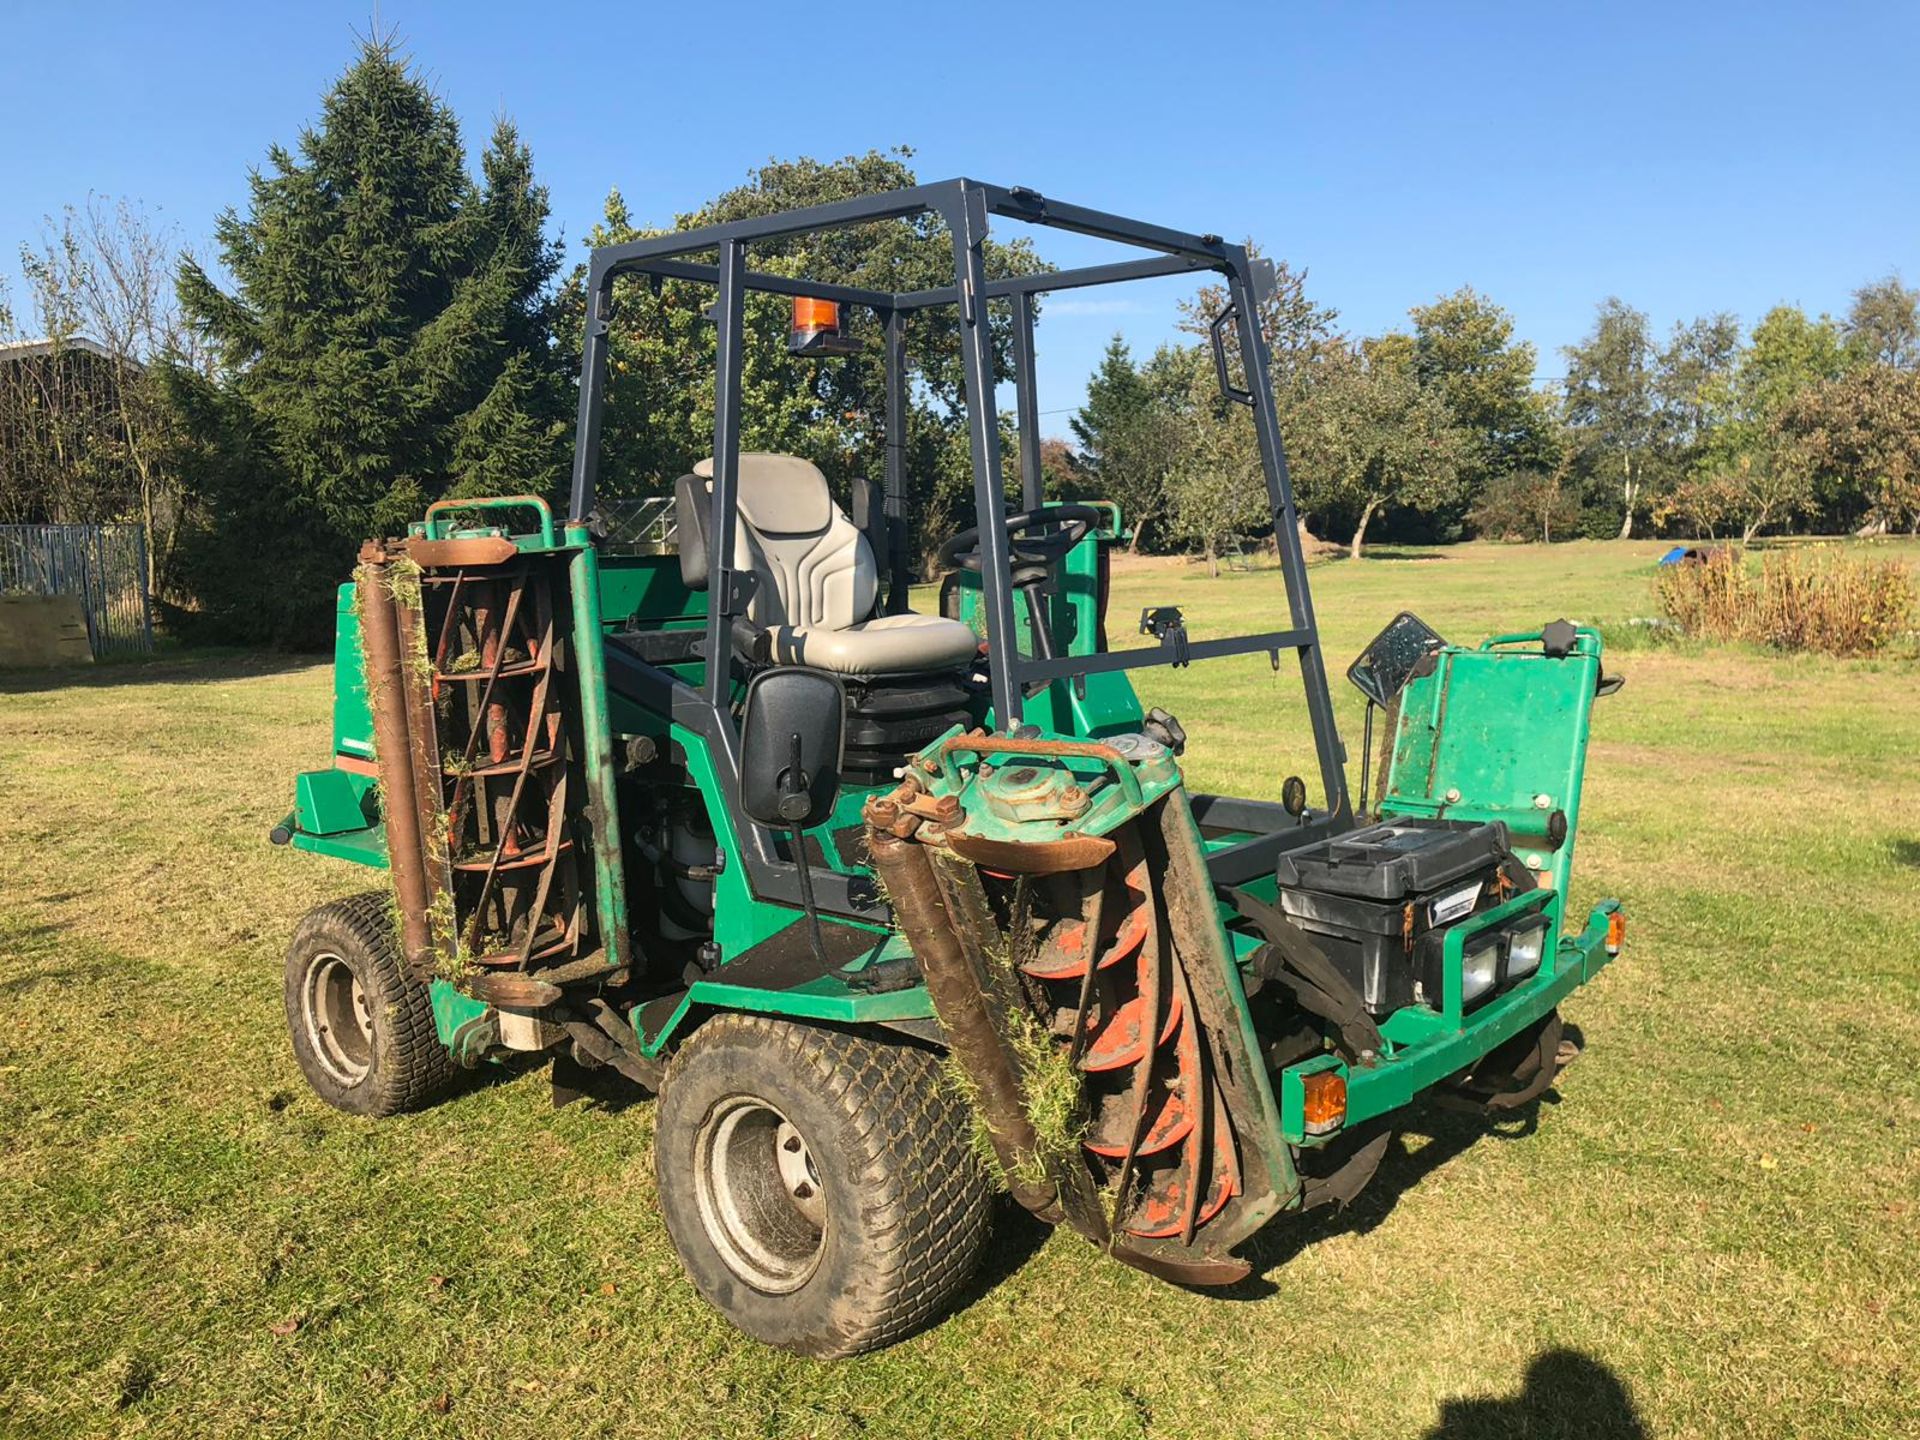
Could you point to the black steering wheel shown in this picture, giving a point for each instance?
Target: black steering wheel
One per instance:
(1033, 555)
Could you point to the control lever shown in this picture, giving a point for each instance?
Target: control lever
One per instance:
(795, 805)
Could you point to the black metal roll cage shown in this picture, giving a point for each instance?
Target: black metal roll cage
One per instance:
(964, 206)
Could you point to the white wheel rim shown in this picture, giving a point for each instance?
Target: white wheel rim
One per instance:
(759, 1195)
(338, 1018)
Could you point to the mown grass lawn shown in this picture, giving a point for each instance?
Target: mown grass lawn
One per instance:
(1712, 1230)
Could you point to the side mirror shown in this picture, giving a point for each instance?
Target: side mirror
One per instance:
(792, 727)
(1385, 666)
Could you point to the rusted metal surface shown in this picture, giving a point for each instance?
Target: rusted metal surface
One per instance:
(507, 807)
(1241, 1110)
(1039, 857)
(959, 998)
(393, 748)
(980, 744)
(1110, 945)
(423, 753)
(514, 991)
(1167, 1263)
(476, 550)
(465, 680)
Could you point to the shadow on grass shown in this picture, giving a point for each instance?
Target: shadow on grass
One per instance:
(176, 668)
(1565, 1394)
(1398, 552)
(1905, 852)
(1014, 1238)
(1448, 1134)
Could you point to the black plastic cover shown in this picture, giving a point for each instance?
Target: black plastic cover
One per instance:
(792, 730)
(1396, 859)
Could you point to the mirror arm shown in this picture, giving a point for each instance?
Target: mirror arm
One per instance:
(794, 785)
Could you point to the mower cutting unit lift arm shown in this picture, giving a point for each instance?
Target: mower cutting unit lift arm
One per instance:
(738, 823)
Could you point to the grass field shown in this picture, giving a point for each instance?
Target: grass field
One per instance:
(1711, 1231)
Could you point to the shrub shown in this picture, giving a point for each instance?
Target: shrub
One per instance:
(1804, 598)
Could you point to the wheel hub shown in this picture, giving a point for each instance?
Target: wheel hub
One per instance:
(759, 1195)
(338, 1018)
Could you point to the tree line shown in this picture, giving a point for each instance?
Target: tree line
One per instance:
(1441, 429)
(381, 327)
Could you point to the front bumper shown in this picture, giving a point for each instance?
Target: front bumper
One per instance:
(1426, 1046)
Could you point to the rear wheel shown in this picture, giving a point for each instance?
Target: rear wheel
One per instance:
(362, 1026)
(818, 1185)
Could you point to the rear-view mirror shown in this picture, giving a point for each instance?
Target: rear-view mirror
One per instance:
(1384, 667)
(792, 727)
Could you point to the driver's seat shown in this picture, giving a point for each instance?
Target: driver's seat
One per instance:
(816, 572)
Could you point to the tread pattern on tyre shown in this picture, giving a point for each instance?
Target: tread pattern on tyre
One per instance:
(415, 1068)
(928, 1200)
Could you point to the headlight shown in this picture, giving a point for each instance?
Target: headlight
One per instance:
(1526, 942)
(1479, 966)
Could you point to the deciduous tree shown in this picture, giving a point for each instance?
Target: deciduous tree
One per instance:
(1610, 400)
(1365, 436)
(1858, 432)
(1883, 324)
(1465, 353)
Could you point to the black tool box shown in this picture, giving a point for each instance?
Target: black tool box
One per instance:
(1370, 897)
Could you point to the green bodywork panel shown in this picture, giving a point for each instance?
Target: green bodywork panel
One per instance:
(1496, 733)
(829, 999)
(329, 802)
(352, 720)
(1425, 1048)
(1490, 733)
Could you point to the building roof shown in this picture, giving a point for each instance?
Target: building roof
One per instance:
(29, 349)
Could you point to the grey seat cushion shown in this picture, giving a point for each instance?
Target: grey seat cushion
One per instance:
(818, 581)
(885, 645)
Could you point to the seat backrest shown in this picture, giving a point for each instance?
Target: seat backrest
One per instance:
(816, 570)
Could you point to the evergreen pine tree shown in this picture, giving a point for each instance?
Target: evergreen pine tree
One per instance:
(388, 342)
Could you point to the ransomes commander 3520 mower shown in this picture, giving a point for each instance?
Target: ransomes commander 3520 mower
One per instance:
(881, 903)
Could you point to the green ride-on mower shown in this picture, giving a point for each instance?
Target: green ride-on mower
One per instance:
(892, 907)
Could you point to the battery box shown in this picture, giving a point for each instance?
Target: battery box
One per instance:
(1370, 897)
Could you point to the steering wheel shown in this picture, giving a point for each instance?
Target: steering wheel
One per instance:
(1032, 556)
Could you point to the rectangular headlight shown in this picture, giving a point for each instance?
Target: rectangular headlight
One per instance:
(1526, 943)
(1479, 966)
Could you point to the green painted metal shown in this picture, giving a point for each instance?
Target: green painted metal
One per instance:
(1495, 732)
(827, 1000)
(740, 919)
(603, 804)
(647, 590)
(454, 1012)
(1499, 734)
(1138, 783)
(362, 847)
(1414, 1067)
(327, 802)
(352, 715)
(439, 529)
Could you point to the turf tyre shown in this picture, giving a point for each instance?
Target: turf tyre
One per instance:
(344, 965)
(906, 1203)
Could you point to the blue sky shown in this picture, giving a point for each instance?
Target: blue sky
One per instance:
(1687, 157)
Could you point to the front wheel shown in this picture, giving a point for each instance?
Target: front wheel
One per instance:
(819, 1185)
(362, 1026)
